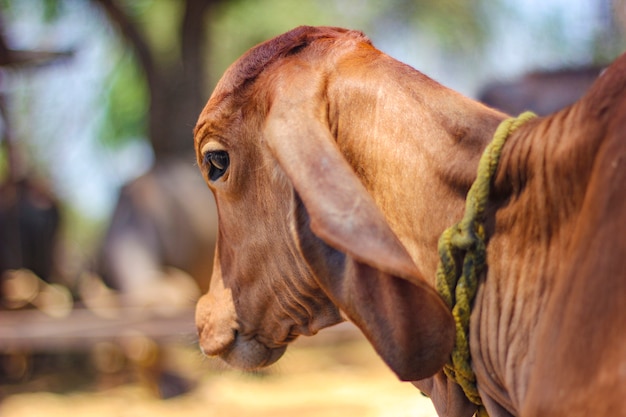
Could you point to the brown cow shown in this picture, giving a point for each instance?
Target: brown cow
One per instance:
(335, 168)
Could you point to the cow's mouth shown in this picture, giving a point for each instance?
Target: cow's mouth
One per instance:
(250, 354)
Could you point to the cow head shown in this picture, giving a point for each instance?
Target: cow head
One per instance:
(300, 239)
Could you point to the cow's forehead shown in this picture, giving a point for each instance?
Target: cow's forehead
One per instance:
(252, 63)
(221, 108)
(255, 60)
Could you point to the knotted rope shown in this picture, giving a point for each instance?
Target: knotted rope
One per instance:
(465, 242)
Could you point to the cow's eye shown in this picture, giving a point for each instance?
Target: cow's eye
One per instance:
(217, 162)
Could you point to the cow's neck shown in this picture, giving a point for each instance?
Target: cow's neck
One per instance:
(534, 223)
(426, 153)
(451, 142)
(519, 213)
(419, 160)
(528, 245)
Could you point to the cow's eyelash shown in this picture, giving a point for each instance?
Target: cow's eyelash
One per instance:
(216, 162)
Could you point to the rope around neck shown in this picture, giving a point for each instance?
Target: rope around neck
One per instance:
(465, 241)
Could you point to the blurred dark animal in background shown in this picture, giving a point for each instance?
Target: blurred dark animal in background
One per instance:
(29, 235)
(29, 227)
(156, 256)
(542, 92)
(150, 255)
(29, 211)
(158, 249)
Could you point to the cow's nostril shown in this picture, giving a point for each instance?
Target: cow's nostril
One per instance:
(216, 322)
(215, 341)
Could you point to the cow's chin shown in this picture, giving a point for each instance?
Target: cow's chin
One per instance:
(249, 355)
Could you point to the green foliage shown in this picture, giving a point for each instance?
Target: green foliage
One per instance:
(160, 21)
(238, 25)
(126, 104)
(49, 10)
(4, 166)
(456, 25)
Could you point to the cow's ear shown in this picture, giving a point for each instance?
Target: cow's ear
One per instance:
(357, 258)
(342, 212)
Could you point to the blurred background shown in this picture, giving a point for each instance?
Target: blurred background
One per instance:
(107, 229)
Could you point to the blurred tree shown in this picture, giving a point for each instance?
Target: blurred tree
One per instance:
(179, 48)
(174, 75)
(19, 60)
(458, 25)
(238, 25)
(172, 40)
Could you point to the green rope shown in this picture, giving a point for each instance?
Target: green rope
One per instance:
(465, 241)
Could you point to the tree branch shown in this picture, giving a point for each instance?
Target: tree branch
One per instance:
(129, 31)
(192, 45)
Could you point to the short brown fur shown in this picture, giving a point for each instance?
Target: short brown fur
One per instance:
(346, 165)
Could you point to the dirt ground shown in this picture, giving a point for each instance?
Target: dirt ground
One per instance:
(316, 378)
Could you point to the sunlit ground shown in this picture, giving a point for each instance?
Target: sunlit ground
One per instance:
(319, 376)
